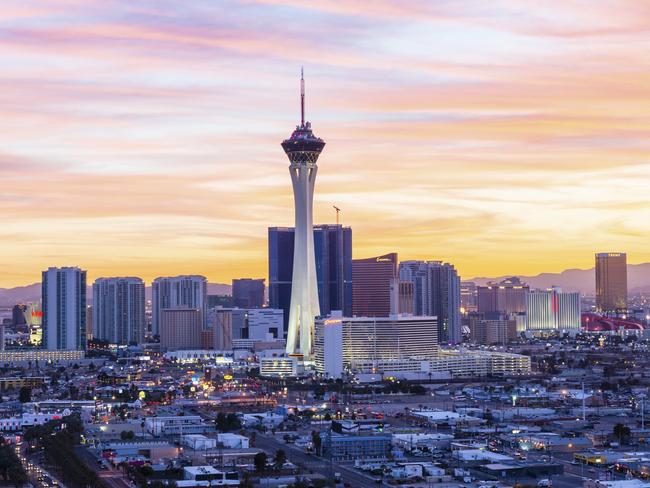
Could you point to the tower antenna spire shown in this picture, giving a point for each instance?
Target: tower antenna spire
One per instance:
(302, 97)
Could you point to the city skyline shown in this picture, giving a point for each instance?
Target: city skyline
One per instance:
(455, 133)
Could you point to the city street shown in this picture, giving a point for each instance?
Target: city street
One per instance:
(39, 477)
(113, 477)
(318, 465)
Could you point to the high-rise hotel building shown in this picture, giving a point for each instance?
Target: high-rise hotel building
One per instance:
(118, 310)
(180, 328)
(64, 309)
(373, 340)
(188, 291)
(373, 285)
(552, 310)
(611, 281)
(507, 297)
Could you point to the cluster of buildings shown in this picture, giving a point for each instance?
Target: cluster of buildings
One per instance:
(467, 403)
(376, 316)
(365, 315)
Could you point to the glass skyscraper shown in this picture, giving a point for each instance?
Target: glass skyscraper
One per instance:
(333, 253)
(436, 292)
(374, 286)
(248, 293)
(118, 310)
(611, 281)
(64, 309)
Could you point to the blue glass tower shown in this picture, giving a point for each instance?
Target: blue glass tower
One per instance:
(333, 254)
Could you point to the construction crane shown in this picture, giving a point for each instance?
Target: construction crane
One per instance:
(337, 213)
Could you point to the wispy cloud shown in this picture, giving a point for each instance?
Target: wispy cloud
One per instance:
(143, 138)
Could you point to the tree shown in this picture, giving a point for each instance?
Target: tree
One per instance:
(221, 422)
(127, 435)
(10, 468)
(279, 459)
(489, 417)
(25, 395)
(317, 441)
(622, 432)
(233, 422)
(260, 461)
(418, 390)
(17, 476)
(227, 423)
(246, 481)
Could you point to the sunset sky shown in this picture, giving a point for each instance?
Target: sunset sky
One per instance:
(143, 137)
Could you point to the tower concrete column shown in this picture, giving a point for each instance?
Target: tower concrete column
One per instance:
(303, 149)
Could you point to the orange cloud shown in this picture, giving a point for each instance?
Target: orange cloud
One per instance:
(144, 140)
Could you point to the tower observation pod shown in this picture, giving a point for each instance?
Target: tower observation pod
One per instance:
(303, 149)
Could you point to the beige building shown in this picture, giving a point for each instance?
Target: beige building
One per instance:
(181, 328)
(492, 331)
(507, 296)
(220, 320)
(611, 281)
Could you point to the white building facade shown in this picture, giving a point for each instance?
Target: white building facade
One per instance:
(328, 347)
(369, 343)
(552, 310)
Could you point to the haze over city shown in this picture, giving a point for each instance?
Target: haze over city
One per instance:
(143, 138)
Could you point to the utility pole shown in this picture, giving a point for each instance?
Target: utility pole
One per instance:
(338, 210)
(642, 414)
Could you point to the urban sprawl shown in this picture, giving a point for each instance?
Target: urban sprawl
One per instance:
(341, 372)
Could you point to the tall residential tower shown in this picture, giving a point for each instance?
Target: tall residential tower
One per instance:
(187, 291)
(303, 149)
(118, 310)
(64, 309)
(436, 292)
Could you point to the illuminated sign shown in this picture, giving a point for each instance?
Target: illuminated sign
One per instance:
(332, 321)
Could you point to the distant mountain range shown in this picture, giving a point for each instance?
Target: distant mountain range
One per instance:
(582, 280)
(32, 293)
